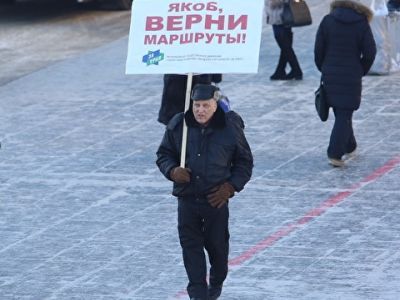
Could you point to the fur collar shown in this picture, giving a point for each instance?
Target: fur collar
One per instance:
(217, 120)
(355, 5)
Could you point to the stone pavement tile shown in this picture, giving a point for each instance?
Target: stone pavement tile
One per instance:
(84, 208)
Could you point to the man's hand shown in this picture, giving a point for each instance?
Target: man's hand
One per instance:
(221, 195)
(180, 175)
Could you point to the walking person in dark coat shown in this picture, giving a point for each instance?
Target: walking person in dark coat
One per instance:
(284, 38)
(219, 163)
(344, 52)
(174, 93)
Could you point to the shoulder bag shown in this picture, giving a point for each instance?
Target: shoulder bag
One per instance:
(321, 103)
(296, 13)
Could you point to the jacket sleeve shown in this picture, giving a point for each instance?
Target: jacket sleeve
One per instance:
(242, 163)
(235, 119)
(167, 155)
(319, 47)
(368, 51)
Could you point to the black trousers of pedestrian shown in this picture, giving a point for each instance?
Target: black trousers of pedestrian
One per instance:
(200, 227)
(342, 139)
(284, 38)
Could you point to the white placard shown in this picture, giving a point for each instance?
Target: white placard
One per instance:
(220, 36)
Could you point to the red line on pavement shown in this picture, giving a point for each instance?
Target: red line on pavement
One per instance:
(309, 216)
(315, 212)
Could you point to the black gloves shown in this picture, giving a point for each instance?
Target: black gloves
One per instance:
(218, 196)
(180, 175)
(221, 195)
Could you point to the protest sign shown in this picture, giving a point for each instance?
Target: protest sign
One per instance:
(170, 36)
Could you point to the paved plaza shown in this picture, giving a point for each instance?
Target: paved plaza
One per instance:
(85, 213)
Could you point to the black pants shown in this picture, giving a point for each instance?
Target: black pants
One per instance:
(284, 38)
(200, 227)
(342, 139)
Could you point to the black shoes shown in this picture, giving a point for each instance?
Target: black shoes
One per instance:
(294, 75)
(278, 76)
(214, 292)
(290, 76)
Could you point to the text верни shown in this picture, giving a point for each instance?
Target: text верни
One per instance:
(200, 21)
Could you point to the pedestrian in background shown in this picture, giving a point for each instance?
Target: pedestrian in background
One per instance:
(393, 5)
(284, 38)
(219, 163)
(344, 52)
(174, 93)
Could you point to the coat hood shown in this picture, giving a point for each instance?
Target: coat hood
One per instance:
(350, 11)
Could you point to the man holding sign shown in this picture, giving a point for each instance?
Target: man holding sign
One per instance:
(200, 37)
(219, 163)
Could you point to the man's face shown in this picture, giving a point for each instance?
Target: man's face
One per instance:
(203, 110)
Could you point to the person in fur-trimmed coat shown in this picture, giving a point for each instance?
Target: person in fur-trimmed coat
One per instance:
(284, 38)
(344, 52)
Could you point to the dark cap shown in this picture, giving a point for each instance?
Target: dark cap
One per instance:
(205, 92)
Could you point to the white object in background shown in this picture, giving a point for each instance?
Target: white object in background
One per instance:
(379, 7)
(382, 63)
(394, 37)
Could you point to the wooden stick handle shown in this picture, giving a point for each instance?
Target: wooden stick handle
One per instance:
(184, 133)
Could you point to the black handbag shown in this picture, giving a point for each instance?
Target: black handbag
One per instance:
(296, 13)
(321, 104)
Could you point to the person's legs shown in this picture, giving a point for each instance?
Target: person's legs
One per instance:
(284, 38)
(351, 145)
(190, 228)
(342, 138)
(216, 233)
(280, 73)
(295, 72)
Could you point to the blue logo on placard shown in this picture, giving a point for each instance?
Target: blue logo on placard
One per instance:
(153, 58)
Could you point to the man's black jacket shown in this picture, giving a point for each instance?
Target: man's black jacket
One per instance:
(215, 154)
